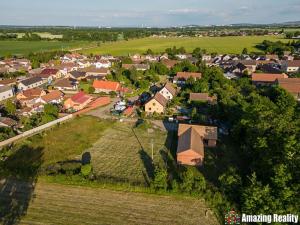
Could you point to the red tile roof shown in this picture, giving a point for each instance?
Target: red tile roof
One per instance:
(80, 97)
(267, 77)
(107, 85)
(33, 92)
(186, 75)
(291, 85)
(49, 72)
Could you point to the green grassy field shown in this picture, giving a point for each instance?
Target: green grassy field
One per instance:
(124, 153)
(65, 142)
(25, 47)
(211, 44)
(59, 204)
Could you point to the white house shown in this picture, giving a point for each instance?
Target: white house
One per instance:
(206, 57)
(30, 83)
(291, 66)
(168, 91)
(5, 92)
(181, 56)
(102, 64)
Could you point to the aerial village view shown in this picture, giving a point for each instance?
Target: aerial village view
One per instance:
(139, 117)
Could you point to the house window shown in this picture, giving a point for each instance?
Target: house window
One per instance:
(149, 109)
(153, 104)
(205, 141)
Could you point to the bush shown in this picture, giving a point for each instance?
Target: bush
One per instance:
(71, 168)
(86, 170)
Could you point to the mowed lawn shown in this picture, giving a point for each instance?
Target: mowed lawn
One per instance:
(59, 204)
(124, 153)
(25, 47)
(64, 142)
(211, 44)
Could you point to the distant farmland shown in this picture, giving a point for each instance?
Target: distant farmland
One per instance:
(25, 47)
(232, 45)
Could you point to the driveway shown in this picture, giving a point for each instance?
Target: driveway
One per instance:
(104, 112)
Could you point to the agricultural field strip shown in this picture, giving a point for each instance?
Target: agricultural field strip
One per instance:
(124, 207)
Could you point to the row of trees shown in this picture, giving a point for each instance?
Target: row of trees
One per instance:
(256, 167)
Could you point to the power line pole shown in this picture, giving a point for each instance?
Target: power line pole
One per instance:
(152, 149)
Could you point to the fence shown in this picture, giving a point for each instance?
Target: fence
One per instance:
(35, 130)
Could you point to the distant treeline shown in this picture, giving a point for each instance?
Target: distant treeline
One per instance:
(278, 47)
(114, 34)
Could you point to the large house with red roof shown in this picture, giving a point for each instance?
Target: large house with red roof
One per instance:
(78, 101)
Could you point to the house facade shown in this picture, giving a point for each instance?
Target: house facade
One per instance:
(30, 83)
(168, 91)
(156, 105)
(6, 92)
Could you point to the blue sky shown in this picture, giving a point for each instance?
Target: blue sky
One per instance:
(159, 13)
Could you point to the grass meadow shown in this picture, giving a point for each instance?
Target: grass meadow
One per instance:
(124, 153)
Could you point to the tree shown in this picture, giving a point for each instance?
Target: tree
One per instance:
(50, 113)
(10, 107)
(245, 51)
(160, 181)
(86, 170)
(91, 90)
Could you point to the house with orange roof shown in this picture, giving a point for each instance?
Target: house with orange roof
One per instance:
(106, 86)
(192, 140)
(53, 97)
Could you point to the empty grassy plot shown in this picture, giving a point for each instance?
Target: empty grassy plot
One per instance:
(124, 153)
(59, 204)
(64, 142)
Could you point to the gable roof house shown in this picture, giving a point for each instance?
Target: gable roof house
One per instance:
(102, 63)
(182, 77)
(30, 83)
(291, 85)
(168, 91)
(192, 140)
(260, 79)
(54, 73)
(93, 71)
(204, 97)
(77, 75)
(65, 85)
(156, 104)
(6, 92)
(78, 101)
(106, 86)
(291, 66)
(169, 63)
(138, 67)
(31, 93)
(53, 97)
